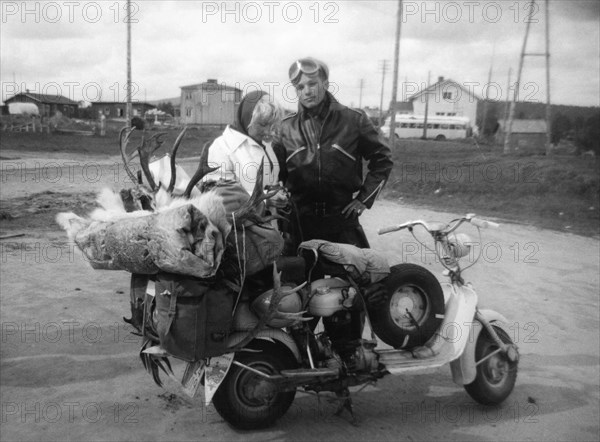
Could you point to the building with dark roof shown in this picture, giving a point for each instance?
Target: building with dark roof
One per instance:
(118, 109)
(48, 105)
(525, 135)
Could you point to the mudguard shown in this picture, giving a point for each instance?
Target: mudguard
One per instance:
(214, 372)
(269, 334)
(463, 369)
(218, 367)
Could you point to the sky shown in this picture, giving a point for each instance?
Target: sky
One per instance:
(78, 48)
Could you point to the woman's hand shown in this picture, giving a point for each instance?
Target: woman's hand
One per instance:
(279, 200)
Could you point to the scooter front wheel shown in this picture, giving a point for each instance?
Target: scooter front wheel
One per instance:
(247, 400)
(496, 372)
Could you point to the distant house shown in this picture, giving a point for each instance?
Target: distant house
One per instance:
(48, 105)
(446, 98)
(526, 135)
(403, 108)
(118, 109)
(209, 103)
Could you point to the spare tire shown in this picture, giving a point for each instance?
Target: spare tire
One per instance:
(413, 309)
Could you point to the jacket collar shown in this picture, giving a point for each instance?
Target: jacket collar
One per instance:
(329, 102)
(234, 138)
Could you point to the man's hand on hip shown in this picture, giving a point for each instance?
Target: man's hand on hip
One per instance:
(355, 208)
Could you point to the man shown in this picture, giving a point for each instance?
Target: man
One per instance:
(321, 149)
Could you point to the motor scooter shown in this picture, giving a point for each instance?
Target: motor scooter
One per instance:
(425, 325)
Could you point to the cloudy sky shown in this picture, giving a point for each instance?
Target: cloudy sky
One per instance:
(78, 48)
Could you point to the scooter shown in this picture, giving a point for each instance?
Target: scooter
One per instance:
(425, 325)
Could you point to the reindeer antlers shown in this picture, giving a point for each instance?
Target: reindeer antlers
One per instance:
(273, 312)
(248, 210)
(203, 170)
(145, 150)
(126, 158)
(173, 153)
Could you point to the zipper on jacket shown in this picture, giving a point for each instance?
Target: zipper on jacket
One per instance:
(319, 145)
(319, 163)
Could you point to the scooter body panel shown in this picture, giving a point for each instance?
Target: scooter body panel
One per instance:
(269, 334)
(447, 344)
(464, 369)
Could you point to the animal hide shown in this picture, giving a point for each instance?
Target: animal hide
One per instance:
(185, 237)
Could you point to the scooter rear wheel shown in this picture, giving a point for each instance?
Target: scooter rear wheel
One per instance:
(248, 401)
(414, 307)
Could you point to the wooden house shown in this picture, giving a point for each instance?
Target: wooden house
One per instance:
(118, 109)
(448, 98)
(526, 135)
(47, 104)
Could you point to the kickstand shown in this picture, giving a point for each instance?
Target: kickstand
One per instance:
(345, 403)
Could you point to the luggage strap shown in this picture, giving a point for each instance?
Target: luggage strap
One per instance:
(172, 310)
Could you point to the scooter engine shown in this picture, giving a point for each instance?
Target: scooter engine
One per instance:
(358, 356)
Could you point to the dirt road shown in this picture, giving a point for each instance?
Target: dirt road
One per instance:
(70, 369)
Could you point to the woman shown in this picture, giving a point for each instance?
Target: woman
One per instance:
(239, 152)
(245, 145)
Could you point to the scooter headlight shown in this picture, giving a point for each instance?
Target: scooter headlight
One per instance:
(460, 244)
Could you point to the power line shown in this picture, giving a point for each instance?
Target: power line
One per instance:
(511, 113)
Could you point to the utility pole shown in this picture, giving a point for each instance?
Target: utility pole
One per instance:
(548, 109)
(506, 103)
(517, 84)
(395, 79)
(426, 106)
(362, 83)
(128, 106)
(383, 65)
(487, 94)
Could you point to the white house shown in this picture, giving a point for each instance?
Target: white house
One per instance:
(209, 103)
(446, 97)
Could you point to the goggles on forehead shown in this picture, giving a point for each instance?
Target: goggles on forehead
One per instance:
(307, 66)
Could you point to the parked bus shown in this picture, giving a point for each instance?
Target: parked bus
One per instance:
(438, 127)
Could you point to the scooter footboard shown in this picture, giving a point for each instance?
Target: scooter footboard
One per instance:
(464, 369)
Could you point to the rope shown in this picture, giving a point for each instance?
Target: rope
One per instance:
(241, 266)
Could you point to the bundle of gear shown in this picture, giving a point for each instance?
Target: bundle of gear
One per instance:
(197, 242)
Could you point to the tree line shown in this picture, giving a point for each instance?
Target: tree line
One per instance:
(576, 124)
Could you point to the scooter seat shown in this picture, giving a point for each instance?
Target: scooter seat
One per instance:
(365, 265)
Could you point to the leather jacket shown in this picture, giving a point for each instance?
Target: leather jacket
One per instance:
(331, 172)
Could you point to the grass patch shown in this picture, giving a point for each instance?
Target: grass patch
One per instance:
(108, 145)
(38, 210)
(559, 191)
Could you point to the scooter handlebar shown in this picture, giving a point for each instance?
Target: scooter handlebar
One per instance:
(482, 223)
(402, 226)
(390, 229)
(478, 222)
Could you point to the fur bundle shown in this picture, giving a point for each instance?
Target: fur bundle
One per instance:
(185, 236)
